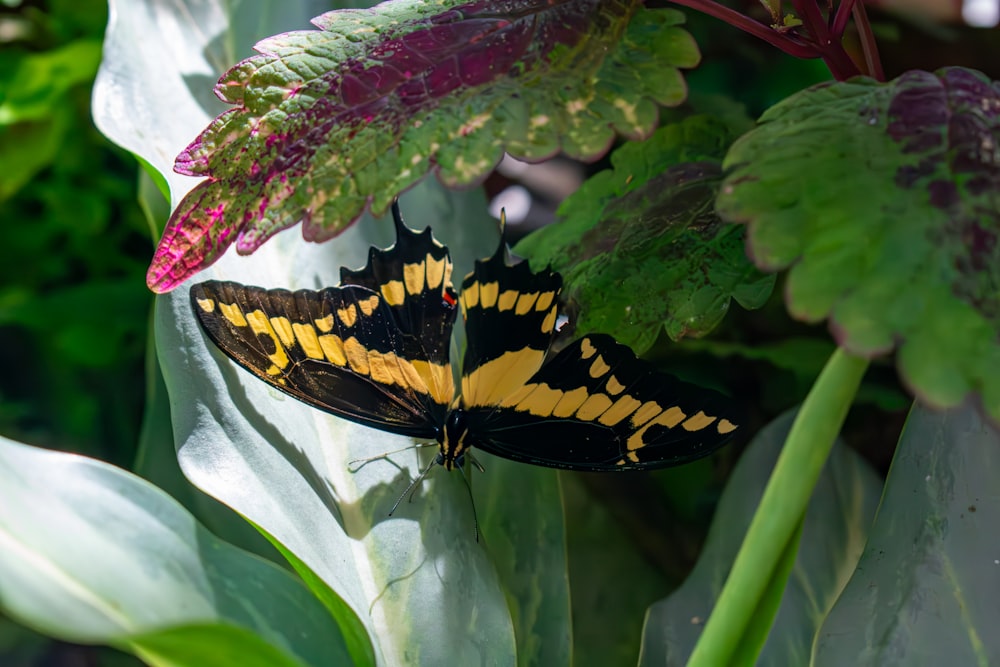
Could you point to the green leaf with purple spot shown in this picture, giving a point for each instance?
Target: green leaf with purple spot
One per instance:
(640, 247)
(326, 122)
(884, 199)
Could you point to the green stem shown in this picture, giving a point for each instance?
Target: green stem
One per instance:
(781, 508)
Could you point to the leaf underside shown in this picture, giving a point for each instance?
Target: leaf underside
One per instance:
(640, 246)
(326, 122)
(885, 201)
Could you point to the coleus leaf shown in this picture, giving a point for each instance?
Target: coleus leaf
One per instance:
(327, 121)
(883, 199)
(646, 234)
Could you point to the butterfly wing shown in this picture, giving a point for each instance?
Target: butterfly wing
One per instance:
(373, 350)
(413, 277)
(510, 316)
(596, 406)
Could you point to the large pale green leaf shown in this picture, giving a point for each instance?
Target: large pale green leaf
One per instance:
(425, 590)
(90, 553)
(925, 591)
(884, 198)
(833, 537)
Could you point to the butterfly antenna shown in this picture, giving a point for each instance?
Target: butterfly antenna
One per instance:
(413, 485)
(384, 455)
(468, 487)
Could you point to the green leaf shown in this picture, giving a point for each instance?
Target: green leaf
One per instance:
(926, 585)
(326, 121)
(833, 535)
(640, 247)
(883, 200)
(36, 84)
(92, 554)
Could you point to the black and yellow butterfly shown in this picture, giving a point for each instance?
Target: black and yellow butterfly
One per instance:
(375, 350)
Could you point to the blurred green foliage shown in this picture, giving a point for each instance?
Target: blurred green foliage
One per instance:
(73, 303)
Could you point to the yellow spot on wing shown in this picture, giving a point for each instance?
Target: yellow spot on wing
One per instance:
(368, 305)
(284, 330)
(273, 370)
(233, 313)
(622, 408)
(570, 401)
(613, 386)
(593, 407)
(549, 322)
(587, 348)
(470, 296)
(544, 301)
(541, 401)
(377, 369)
(498, 378)
(260, 325)
(435, 271)
(325, 324)
(333, 348)
(725, 426)
(648, 410)
(393, 292)
(438, 379)
(348, 315)
(669, 418)
(357, 356)
(525, 302)
(488, 294)
(208, 305)
(698, 422)
(518, 396)
(507, 300)
(599, 367)
(308, 341)
(413, 276)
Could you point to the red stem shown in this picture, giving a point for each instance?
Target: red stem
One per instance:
(841, 18)
(872, 61)
(792, 47)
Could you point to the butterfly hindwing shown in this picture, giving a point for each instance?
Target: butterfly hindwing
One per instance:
(596, 406)
(510, 317)
(338, 349)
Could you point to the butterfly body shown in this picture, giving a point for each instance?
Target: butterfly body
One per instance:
(376, 350)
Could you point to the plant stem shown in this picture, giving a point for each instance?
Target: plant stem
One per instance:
(792, 47)
(868, 45)
(781, 508)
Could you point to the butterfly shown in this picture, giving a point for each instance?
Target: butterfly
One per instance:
(376, 350)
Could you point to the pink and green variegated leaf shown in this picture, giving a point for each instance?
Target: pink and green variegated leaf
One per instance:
(326, 122)
(884, 198)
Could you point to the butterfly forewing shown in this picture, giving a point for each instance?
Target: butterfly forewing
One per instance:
(413, 278)
(338, 349)
(596, 406)
(510, 317)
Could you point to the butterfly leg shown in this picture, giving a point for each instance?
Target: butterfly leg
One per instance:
(412, 488)
(361, 463)
(468, 487)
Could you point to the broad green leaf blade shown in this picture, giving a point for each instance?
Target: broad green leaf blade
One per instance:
(326, 121)
(926, 586)
(521, 517)
(90, 553)
(884, 200)
(833, 537)
(425, 590)
(640, 247)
